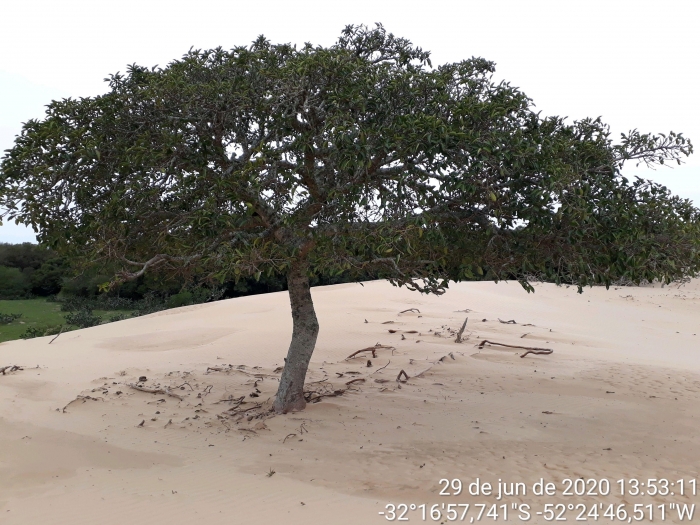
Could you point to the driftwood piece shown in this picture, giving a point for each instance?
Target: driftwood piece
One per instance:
(372, 349)
(512, 321)
(10, 368)
(402, 373)
(530, 349)
(410, 310)
(461, 331)
(165, 391)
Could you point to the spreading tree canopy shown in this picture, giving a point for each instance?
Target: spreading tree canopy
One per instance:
(354, 158)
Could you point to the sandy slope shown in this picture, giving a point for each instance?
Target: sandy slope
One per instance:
(622, 386)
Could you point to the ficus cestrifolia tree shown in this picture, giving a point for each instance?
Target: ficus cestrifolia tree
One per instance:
(354, 158)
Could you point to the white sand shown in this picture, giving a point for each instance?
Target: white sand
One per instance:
(478, 415)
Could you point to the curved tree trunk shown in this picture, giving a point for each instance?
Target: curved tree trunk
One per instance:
(290, 396)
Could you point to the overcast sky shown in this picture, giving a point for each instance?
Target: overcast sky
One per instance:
(635, 63)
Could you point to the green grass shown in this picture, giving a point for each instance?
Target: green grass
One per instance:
(39, 313)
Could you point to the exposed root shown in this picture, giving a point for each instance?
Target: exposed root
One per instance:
(382, 368)
(372, 349)
(542, 351)
(404, 374)
(357, 380)
(165, 391)
(83, 399)
(10, 368)
(287, 437)
(325, 390)
(530, 349)
(231, 368)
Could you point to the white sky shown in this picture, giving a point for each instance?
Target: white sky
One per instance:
(635, 63)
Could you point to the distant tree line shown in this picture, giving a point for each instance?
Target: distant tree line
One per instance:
(30, 270)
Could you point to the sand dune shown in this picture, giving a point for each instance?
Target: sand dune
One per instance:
(618, 398)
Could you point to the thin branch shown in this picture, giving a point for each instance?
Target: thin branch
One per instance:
(372, 349)
(530, 349)
(59, 333)
(165, 391)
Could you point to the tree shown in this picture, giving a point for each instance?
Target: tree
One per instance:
(356, 158)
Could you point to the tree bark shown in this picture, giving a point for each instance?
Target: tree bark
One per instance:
(290, 396)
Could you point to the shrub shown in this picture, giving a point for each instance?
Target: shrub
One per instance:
(41, 331)
(8, 318)
(83, 318)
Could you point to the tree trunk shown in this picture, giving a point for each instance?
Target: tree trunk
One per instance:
(290, 396)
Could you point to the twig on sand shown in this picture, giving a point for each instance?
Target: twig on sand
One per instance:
(83, 399)
(335, 393)
(357, 380)
(530, 349)
(382, 368)
(59, 333)
(372, 349)
(410, 310)
(235, 412)
(461, 331)
(423, 372)
(10, 368)
(512, 321)
(542, 351)
(402, 373)
(287, 437)
(165, 391)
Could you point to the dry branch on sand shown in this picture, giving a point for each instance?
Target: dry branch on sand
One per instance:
(4, 370)
(512, 321)
(164, 391)
(372, 349)
(83, 399)
(402, 373)
(530, 349)
(356, 380)
(410, 310)
(461, 331)
(59, 333)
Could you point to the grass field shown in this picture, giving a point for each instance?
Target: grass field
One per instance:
(36, 312)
